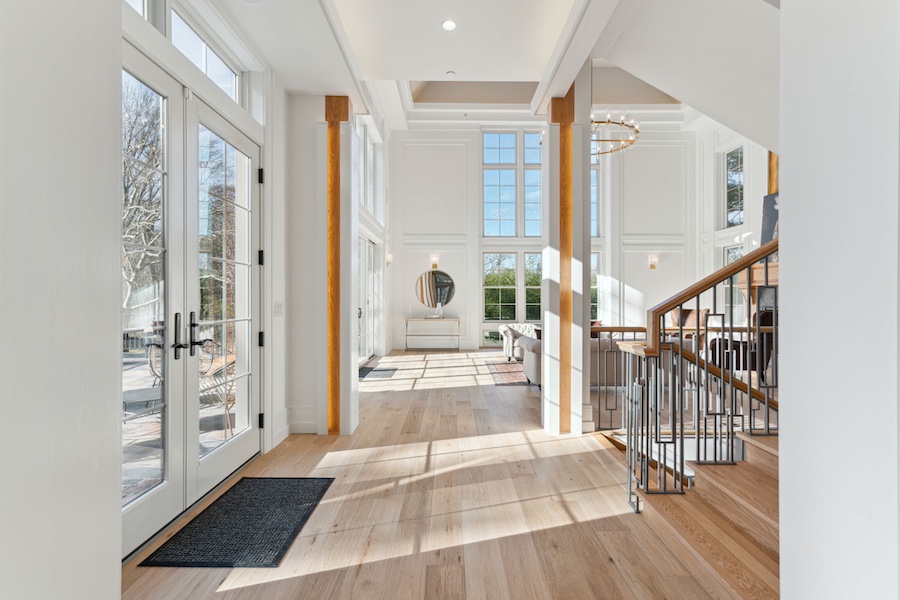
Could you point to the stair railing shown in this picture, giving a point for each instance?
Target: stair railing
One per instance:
(708, 369)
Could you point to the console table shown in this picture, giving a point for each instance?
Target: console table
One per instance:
(430, 331)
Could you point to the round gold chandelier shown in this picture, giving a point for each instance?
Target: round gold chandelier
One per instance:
(614, 134)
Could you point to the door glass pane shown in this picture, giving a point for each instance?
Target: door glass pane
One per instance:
(143, 289)
(224, 278)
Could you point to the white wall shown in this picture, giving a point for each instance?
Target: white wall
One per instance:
(304, 308)
(838, 489)
(436, 210)
(713, 141)
(276, 155)
(648, 208)
(60, 230)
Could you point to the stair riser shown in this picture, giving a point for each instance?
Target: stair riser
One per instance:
(766, 461)
(758, 528)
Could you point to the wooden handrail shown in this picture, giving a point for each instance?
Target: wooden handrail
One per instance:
(654, 314)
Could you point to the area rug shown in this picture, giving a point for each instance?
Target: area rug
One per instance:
(376, 373)
(508, 373)
(250, 525)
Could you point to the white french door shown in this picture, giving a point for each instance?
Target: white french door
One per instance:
(190, 299)
(366, 309)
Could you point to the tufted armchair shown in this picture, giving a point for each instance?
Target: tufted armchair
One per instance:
(510, 332)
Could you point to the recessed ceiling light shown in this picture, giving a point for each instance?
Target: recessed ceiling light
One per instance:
(449, 24)
(450, 73)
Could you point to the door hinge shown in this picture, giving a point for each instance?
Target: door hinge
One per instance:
(260, 178)
(259, 257)
(262, 420)
(261, 339)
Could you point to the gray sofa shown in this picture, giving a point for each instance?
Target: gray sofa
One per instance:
(611, 374)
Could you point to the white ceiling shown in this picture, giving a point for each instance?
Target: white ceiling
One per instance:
(495, 40)
(295, 39)
(718, 56)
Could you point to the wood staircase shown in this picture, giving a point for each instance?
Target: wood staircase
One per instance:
(726, 525)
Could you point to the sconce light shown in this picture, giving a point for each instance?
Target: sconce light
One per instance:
(434, 262)
(652, 261)
(388, 259)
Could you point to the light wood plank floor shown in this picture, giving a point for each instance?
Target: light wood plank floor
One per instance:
(449, 489)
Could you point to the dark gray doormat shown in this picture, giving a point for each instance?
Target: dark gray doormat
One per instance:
(250, 525)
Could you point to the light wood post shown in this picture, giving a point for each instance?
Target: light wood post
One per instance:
(773, 173)
(562, 112)
(337, 109)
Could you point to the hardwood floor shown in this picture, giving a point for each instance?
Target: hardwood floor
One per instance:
(449, 489)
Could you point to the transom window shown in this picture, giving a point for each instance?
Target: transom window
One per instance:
(205, 58)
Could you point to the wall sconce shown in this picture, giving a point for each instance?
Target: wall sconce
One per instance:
(434, 262)
(652, 261)
(388, 259)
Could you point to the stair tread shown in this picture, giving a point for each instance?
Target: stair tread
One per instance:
(767, 443)
(748, 484)
(718, 544)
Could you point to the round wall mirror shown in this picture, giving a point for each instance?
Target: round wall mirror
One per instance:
(435, 287)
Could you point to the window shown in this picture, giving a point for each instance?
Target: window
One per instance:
(499, 287)
(499, 202)
(733, 253)
(595, 289)
(532, 186)
(198, 52)
(734, 187)
(512, 184)
(595, 207)
(139, 6)
(499, 148)
(533, 202)
(734, 298)
(532, 286)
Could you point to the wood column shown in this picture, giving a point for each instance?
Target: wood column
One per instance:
(562, 112)
(337, 109)
(773, 173)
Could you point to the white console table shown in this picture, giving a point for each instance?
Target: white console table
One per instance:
(431, 332)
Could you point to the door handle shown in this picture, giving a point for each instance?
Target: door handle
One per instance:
(194, 342)
(359, 315)
(178, 345)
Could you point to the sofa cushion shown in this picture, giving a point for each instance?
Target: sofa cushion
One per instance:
(531, 344)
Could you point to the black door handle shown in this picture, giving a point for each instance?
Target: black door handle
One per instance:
(178, 345)
(194, 342)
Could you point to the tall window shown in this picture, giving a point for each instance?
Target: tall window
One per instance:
(532, 186)
(512, 184)
(499, 202)
(734, 187)
(595, 289)
(595, 207)
(532, 286)
(734, 298)
(198, 52)
(499, 287)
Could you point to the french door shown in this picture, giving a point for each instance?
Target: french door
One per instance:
(190, 393)
(366, 310)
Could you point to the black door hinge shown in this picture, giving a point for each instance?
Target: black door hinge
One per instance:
(261, 339)
(261, 420)
(260, 177)
(259, 257)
